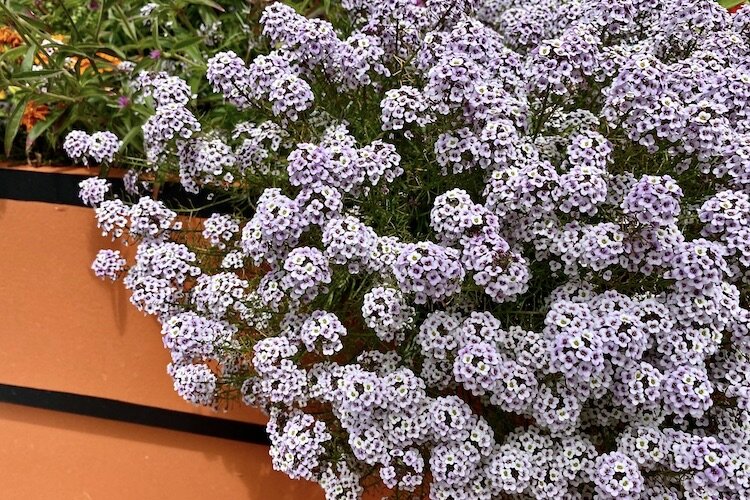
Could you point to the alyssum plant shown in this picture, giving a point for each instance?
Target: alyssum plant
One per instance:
(485, 251)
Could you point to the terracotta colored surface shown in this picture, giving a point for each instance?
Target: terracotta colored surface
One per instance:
(47, 455)
(64, 329)
(73, 170)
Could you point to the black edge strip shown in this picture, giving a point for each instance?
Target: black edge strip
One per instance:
(25, 185)
(120, 411)
(62, 189)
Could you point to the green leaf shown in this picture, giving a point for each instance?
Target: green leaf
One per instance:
(28, 58)
(209, 3)
(33, 75)
(40, 128)
(142, 64)
(13, 54)
(62, 48)
(728, 4)
(14, 123)
(132, 134)
(70, 119)
(33, 21)
(90, 91)
(100, 20)
(194, 53)
(127, 24)
(87, 49)
(188, 42)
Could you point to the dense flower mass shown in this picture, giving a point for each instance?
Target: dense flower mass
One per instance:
(485, 249)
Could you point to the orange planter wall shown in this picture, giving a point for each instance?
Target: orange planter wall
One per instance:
(62, 329)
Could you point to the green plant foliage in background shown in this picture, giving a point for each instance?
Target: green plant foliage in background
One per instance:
(68, 72)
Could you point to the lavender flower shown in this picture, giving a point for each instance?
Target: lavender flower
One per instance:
(205, 162)
(189, 336)
(112, 217)
(306, 272)
(404, 106)
(151, 219)
(76, 145)
(617, 476)
(289, 96)
(275, 227)
(170, 122)
(322, 331)
(104, 146)
(218, 294)
(387, 312)
(165, 89)
(349, 242)
(108, 264)
(454, 214)
(93, 190)
(477, 367)
(195, 383)
(220, 229)
(654, 200)
(445, 214)
(297, 444)
(229, 76)
(429, 271)
(687, 391)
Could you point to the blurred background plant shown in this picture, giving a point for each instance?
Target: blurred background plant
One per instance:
(70, 64)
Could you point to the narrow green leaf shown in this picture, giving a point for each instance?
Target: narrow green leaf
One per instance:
(99, 20)
(90, 91)
(40, 128)
(132, 134)
(33, 75)
(13, 54)
(127, 24)
(32, 21)
(62, 48)
(14, 123)
(209, 3)
(72, 117)
(188, 42)
(28, 58)
(92, 48)
(144, 64)
(728, 4)
(194, 53)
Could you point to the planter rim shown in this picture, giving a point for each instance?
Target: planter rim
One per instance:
(60, 169)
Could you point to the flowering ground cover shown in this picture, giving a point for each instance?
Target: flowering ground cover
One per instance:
(475, 249)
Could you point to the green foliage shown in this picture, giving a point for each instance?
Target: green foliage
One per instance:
(728, 4)
(67, 64)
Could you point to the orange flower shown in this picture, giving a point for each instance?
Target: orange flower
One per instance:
(48, 47)
(9, 38)
(33, 113)
(112, 60)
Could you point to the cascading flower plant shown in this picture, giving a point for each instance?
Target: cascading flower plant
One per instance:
(470, 250)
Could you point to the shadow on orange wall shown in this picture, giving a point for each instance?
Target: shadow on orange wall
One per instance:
(63, 329)
(49, 455)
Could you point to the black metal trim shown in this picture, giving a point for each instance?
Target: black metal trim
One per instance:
(62, 189)
(121, 411)
(25, 185)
